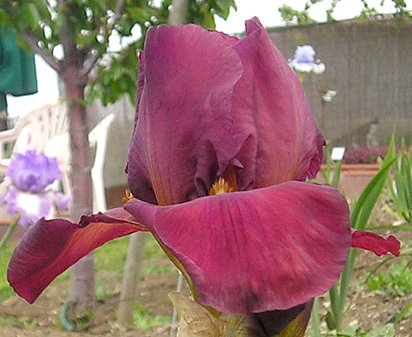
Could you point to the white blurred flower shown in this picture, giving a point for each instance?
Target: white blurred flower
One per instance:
(328, 95)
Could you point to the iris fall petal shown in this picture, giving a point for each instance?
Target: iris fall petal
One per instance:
(376, 243)
(50, 247)
(258, 250)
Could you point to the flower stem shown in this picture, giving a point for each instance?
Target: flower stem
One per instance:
(344, 287)
(9, 232)
(315, 320)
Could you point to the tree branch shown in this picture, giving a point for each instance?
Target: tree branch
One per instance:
(68, 43)
(48, 57)
(117, 13)
(89, 64)
(178, 12)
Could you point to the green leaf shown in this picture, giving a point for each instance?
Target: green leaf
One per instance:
(222, 7)
(336, 173)
(364, 206)
(405, 312)
(387, 330)
(30, 15)
(236, 327)
(400, 186)
(138, 14)
(314, 330)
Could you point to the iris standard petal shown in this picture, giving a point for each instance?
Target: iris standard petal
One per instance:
(50, 247)
(183, 135)
(376, 243)
(261, 250)
(272, 116)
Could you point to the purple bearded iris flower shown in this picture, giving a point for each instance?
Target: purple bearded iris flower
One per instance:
(28, 191)
(33, 172)
(223, 142)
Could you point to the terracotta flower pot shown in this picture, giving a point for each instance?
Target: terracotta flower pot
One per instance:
(354, 178)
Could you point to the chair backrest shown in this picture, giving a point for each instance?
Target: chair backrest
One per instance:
(98, 144)
(38, 127)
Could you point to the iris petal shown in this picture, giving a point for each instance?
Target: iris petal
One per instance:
(234, 102)
(280, 323)
(266, 249)
(376, 243)
(272, 116)
(184, 130)
(50, 247)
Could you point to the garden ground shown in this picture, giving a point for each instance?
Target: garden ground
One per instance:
(385, 306)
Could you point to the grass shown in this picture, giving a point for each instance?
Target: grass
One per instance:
(5, 289)
(111, 256)
(144, 320)
(18, 323)
(397, 281)
(386, 330)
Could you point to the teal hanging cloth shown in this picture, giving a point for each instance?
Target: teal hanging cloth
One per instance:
(17, 71)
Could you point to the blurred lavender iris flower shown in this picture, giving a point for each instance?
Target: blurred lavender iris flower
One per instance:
(304, 60)
(29, 192)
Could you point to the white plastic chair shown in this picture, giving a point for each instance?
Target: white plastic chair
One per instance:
(33, 131)
(98, 139)
(98, 145)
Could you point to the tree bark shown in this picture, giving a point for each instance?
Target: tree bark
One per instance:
(178, 12)
(131, 274)
(81, 293)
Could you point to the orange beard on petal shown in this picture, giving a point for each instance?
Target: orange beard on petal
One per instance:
(225, 183)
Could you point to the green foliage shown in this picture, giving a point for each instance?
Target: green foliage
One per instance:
(291, 15)
(153, 249)
(361, 211)
(202, 12)
(144, 320)
(387, 330)
(156, 265)
(5, 289)
(364, 206)
(112, 255)
(397, 281)
(294, 16)
(88, 26)
(400, 186)
(405, 312)
(21, 323)
(331, 173)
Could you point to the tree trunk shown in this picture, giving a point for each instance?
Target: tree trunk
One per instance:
(178, 12)
(81, 294)
(131, 274)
